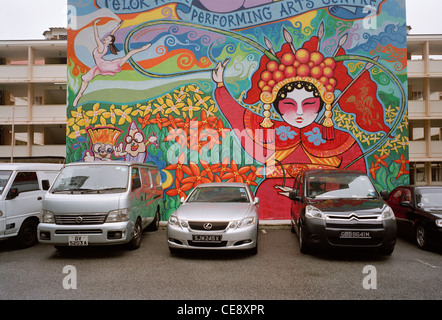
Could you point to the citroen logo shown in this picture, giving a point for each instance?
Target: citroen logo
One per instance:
(207, 226)
(353, 216)
(79, 219)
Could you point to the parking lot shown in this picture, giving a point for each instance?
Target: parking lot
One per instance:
(278, 272)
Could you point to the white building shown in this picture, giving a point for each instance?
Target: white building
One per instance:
(33, 97)
(425, 108)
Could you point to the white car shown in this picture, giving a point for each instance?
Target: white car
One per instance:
(216, 216)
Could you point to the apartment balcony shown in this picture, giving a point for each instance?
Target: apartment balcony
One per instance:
(37, 151)
(40, 114)
(417, 109)
(417, 68)
(418, 151)
(52, 73)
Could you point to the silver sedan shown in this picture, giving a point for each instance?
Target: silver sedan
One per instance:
(217, 216)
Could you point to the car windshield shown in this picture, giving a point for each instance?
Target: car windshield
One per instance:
(4, 177)
(92, 179)
(219, 194)
(430, 198)
(339, 185)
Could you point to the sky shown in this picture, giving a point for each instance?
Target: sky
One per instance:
(18, 17)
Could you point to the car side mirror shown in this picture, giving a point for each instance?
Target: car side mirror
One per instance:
(256, 201)
(12, 194)
(405, 204)
(294, 195)
(182, 199)
(45, 184)
(385, 194)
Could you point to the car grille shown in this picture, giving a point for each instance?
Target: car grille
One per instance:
(353, 217)
(80, 219)
(207, 244)
(80, 231)
(215, 226)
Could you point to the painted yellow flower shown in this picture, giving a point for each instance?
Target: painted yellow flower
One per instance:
(78, 115)
(190, 107)
(145, 110)
(159, 106)
(125, 112)
(200, 100)
(110, 114)
(76, 132)
(95, 112)
(173, 106)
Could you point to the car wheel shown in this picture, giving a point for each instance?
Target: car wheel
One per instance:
(293, 226)
(303, 247)
(135, 243)
(155, 224)
(27, 236)
(421, 237)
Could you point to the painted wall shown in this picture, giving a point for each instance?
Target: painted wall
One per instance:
(240, 90)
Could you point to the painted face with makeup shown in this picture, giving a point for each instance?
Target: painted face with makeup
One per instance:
(299, 107)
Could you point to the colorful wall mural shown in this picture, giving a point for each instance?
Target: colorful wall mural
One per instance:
(240, 90)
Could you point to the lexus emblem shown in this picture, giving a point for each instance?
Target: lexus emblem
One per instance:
(79, 219)
(207, 226)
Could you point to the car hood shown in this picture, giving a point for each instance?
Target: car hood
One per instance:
(348, 206)
(213, 211)
(436, 212)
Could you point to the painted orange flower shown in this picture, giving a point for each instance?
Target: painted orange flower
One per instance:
(235, 174)
(180, 189)
(374, 167)
(197, 177)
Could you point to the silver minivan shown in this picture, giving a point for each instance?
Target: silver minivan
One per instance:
(101, 203)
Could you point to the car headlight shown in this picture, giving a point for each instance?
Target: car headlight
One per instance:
(313, 212)
(118, 215)
(48, 216)
(247, 221)
(387, 213)
(174, 221)
(439, 223)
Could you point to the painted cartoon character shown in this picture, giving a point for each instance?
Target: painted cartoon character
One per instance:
(135, 149)
(102, 66)
(103, 141)
(299, 84)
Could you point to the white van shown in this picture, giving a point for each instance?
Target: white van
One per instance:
(101, 203)
(22, 188)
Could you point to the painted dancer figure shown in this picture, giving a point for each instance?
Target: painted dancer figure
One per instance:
(299, 84)
(102, 66)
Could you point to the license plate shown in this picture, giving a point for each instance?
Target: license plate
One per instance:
(355, 234)
(78, 240)
(206, 238)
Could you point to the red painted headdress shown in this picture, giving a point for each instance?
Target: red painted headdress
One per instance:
(308, 64)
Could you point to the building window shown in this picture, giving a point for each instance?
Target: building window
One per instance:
(417, 173)
(436, 172)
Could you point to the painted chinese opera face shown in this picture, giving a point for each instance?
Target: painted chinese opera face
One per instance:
(300, 108)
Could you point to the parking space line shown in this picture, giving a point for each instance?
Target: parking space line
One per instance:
(425, 263)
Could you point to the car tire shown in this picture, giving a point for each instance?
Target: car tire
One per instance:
(293, 230)
(137, 238)
(27, 235)
(155, 224)
(303, 247)
(421, 236)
